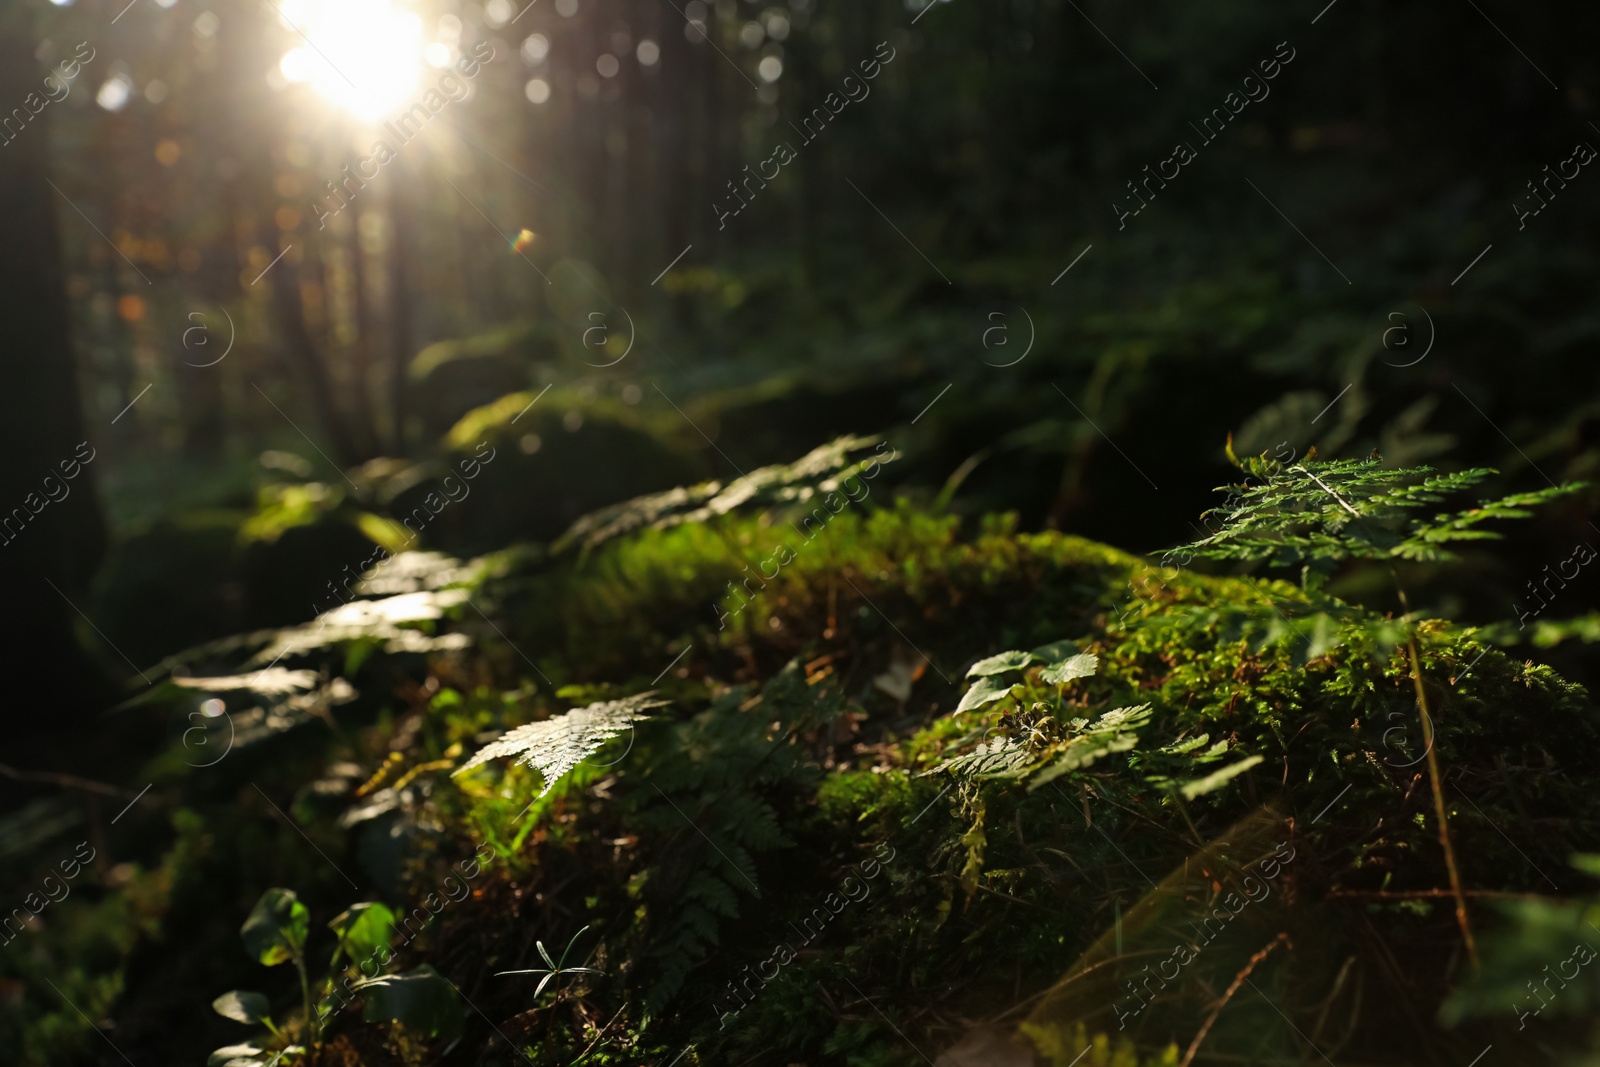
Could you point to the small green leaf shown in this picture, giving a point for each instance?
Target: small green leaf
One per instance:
(422, 999)
(1217, 779)
(984, 691)
(1079, 666)
(1005, 661)
(362, 928)
(242, 1006)
(277, 928)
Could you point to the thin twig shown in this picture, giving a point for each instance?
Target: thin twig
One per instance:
(1435, 779)
(601, 1033)
(70, 781)
(1238, 980)
(1438, 804)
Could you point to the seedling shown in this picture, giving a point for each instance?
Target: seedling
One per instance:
(555, 968)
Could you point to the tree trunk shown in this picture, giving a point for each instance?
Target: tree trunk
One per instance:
(52, 530)
(306, 358)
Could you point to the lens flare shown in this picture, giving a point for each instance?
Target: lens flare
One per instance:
(365, 56)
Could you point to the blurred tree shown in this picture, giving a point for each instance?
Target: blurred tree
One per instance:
(61, 544)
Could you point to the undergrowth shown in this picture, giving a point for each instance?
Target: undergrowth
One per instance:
(911, 783)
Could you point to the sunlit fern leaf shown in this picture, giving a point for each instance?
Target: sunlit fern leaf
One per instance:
(287, 699)
(1003, 757)
(388, 621)
(273, 684)
(556, 745)
(1318, 513)
(822, 470)
(274, 681)
(1217, 779)
(1115, 731)
(283, 713)
(403, 607)
(419, 577)
(417, 572)
(1121, 719)
(1187, 745)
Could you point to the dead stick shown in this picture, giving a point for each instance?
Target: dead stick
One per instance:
(601, 1033)
(1438, 804)
(69, 781)
(1238, 980)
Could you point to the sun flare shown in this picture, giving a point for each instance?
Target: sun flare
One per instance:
(363, 55)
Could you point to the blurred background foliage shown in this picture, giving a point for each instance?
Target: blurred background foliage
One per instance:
(996, 142)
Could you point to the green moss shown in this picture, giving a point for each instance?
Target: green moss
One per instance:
(720, 851)
(978, 918)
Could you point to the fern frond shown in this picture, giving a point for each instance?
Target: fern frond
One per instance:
(274, 681)
(1003, 757)
(1217, 779)
(558, 744)
(820, 470)
(1315, 514)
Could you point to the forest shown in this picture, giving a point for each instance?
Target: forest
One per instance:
(793, 533)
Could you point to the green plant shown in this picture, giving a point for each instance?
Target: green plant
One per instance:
(1038, 737)
(558, 744)
(782, 758)
(554, 968)
(1317, 515)
(277, 931)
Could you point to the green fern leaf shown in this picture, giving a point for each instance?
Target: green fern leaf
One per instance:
(820, 470)
(557, 745)
(1217, 779)
(1003, 757)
